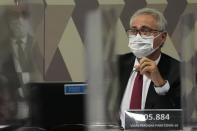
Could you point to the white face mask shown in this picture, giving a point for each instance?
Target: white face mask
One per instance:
(142, 46)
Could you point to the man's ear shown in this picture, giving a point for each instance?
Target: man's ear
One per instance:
(164, 36)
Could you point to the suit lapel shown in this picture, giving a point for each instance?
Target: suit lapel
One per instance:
(126, 63)
(125, 71)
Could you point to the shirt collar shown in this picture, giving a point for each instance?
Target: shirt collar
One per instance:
(23, 40)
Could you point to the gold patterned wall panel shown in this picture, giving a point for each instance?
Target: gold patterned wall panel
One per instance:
(57, 15)
(122, 40)
(72, 50)
(157, 4)
(69, 46)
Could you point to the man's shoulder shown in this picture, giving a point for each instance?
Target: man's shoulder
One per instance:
(169, 58)
(126, 56)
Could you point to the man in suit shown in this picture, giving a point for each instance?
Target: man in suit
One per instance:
(25, 50)
(149, 79)
(17, 69)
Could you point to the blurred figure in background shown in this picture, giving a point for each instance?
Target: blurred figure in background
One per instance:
(18, 64)
(25, 50)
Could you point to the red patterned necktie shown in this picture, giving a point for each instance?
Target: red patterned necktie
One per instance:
(136, 96)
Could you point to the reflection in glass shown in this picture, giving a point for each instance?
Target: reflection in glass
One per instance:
(19, 58)
(188, 55)
(24, 47)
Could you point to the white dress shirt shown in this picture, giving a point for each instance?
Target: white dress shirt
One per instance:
(125, 105)
(16, 54)
(24, 75)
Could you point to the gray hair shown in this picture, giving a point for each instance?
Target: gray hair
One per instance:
(161, 21)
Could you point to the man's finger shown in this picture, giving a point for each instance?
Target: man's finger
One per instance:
(144, 59)
(137, 67)
(143, 65)
(146, 69)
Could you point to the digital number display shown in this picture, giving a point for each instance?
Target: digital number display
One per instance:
(157, 116)
(153, 119)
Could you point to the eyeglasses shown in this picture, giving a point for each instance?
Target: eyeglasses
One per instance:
(143, 31)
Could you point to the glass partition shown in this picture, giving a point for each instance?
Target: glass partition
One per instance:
(53, 55)
(21, 52)
(188, 53)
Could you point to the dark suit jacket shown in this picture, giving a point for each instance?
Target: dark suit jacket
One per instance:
(9, 84)
(169, 70)
(7, 67)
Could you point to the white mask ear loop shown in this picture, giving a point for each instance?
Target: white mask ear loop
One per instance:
(155, 38)
(157, 35)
